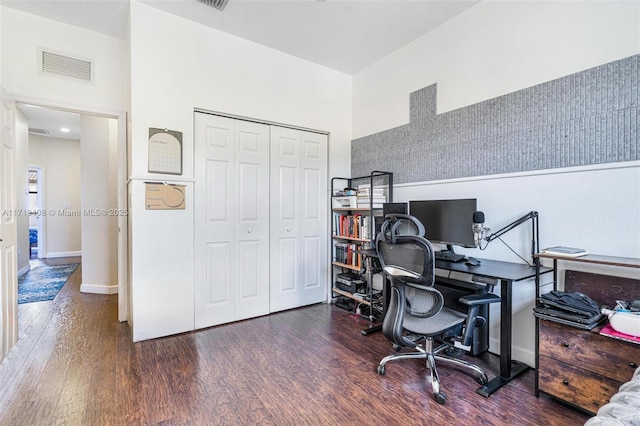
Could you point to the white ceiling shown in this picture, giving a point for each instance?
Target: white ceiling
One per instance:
(52, 121)
(346, 36)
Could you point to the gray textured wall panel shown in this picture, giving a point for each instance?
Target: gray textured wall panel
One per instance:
(590, 117)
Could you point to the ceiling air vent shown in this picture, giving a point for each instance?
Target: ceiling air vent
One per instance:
(39, 131)
(65, 65)
(218, 4)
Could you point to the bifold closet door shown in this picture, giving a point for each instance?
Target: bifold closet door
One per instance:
(231, 220)
(298, 218)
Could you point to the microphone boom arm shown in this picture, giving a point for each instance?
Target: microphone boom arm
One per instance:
(535, 232)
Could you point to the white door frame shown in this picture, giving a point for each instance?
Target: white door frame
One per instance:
(123, 283)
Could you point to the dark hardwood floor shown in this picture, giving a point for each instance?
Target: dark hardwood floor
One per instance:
(75, 364)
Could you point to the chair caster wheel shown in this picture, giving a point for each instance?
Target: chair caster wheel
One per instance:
(440, 398)
(397, 348)
(381, 370)
(482, 380)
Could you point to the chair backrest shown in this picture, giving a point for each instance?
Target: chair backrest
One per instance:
(396, 224)
(400, 243)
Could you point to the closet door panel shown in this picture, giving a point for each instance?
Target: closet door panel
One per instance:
(215, 220)
(286, 258)
(252, 230)
(313, 223)
(298, 219)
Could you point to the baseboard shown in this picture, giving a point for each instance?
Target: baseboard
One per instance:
(98, 288)
(24, 270)
(62, 254)
(526, 355)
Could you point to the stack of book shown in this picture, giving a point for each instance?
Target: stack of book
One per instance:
(352, 226)
(347, 254)
(366, 195)
(565, 251)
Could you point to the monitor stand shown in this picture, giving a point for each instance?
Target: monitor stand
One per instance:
(449, 255)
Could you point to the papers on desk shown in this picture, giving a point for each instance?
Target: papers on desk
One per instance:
(565, 251)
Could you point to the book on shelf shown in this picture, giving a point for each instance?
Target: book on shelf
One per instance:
(347, 254)
(351, 226)
(565, 251)
(367, 204)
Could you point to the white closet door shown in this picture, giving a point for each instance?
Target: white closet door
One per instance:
(298, 218)
(232, 220)
(313, 221)
(252, 229)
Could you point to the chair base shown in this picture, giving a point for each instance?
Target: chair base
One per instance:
(431, 355)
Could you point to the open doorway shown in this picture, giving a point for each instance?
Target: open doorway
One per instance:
(35, 176)
(100, 165)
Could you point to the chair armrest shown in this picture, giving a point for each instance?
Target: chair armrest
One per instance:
(405, 275)
(474, 301)
(479, 299)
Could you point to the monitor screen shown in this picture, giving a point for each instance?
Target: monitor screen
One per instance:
(394, 208)
(446, 221)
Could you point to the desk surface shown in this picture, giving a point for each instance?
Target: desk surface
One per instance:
(494, 268)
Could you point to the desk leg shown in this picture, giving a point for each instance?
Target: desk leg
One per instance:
(385, 303)
(508, 369)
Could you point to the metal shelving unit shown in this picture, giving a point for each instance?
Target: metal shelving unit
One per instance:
(359, 242)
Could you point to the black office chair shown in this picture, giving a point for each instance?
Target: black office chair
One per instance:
(416, 312)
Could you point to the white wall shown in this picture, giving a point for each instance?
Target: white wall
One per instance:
(60, 159)
(220, 72)
(99, 214)
(186, 66)
(496, 48)
(22, 35)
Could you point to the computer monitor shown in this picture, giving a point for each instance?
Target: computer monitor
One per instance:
(391, 208)
(446, 221)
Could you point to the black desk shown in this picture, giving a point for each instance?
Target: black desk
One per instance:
(507, 273)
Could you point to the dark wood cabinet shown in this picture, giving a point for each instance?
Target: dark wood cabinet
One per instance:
(582, 367)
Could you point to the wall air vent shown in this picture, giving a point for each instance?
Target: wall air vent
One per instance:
(218, 4)
(38, 131)
(65, 65)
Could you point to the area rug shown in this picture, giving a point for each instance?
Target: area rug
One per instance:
(43, 282)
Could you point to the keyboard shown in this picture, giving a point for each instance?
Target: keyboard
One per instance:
(448, 256)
